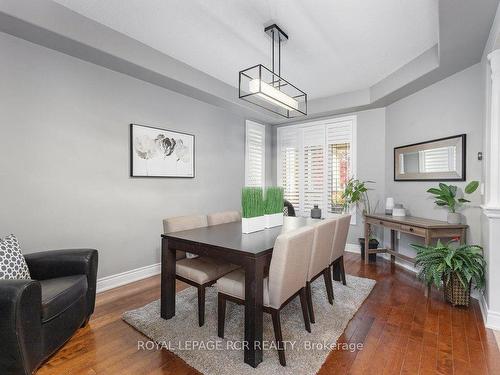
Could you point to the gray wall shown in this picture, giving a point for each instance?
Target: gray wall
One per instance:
(64, 157)
(449, 107)
(370, 158)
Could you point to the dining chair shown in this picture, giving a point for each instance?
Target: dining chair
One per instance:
(199, 272)
(223, 217)
(339, 243)
(286, 280)
(320, 261)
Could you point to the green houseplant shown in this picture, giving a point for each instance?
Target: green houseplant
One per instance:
(252, 204)
(453, 268)
(356, 193)
(446, 196)
(273, 206)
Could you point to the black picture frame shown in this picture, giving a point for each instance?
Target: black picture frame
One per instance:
(131, 145)
(464, 160)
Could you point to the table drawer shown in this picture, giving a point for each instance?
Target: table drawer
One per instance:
(389, 225)
(413, 230)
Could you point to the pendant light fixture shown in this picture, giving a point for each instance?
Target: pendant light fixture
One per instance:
(267, 89)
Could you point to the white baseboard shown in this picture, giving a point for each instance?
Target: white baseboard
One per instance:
(119, 279)
(354, 248)
(491, 318)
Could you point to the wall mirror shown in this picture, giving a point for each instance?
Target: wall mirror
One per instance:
(439, 159)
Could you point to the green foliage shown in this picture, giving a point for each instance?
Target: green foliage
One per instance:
(437, 263)
(273, 203)
(355, 192)
(446, 195)
(252, 202)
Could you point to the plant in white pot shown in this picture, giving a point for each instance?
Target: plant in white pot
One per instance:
(252, 203)
(446, 196)
(273, 206)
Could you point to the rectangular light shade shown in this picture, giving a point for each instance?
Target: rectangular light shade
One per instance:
(272, 94)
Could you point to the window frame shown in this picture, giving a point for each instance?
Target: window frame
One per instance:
(299, 127)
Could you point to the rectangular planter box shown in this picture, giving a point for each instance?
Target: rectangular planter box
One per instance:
(274, 220)
(253, 224)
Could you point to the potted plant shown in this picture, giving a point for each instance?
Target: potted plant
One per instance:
(452, 268)
(252, 204)
(273, 206)
(356, 193)
(446, 195)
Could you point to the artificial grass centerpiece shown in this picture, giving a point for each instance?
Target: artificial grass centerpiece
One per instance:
(252, 202)
(273, 204)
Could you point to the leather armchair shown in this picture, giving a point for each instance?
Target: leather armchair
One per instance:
(38, 316)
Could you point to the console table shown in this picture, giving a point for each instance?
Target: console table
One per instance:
(426, 228)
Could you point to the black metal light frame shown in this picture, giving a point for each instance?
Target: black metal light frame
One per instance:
(277, 81)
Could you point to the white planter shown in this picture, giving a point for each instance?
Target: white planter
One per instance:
(454, 218)
(253, 224)
(274, 220)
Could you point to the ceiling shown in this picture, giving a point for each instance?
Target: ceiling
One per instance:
(335, 46)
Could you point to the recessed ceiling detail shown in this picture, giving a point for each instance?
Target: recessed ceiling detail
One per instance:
(266, 88)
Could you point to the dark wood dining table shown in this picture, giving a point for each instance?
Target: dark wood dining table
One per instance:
(251, 251)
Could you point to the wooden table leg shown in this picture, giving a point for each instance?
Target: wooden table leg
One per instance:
(393, 245)
(367, 242)
(427, 242)
(167, 303)
(254, 300)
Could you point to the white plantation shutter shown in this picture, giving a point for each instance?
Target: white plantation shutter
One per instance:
(313, 147)
(255, 154)
(289, 168)
(315, 161)
(339, 169)
(437, 160)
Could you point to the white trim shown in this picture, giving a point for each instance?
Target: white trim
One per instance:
(123, 278)
(491, 318)
(262, 129)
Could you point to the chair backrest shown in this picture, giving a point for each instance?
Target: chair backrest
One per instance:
(324, 233)
(223, 217)
(179, 223)
(340, 238)
(288, 209)
(289, 264)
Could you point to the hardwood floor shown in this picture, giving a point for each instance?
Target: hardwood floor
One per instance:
(402, 333)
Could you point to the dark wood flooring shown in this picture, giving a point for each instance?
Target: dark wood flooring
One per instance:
(402, 333)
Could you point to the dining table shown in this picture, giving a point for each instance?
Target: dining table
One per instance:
(251, 251)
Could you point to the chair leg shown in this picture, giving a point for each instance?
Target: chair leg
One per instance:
(310, 302)
(275, 314)
(221, 313)
(342, 269)
(305, 313)
(328, 284)
(201, 306)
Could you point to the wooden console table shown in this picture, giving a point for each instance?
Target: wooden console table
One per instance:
(426, 228)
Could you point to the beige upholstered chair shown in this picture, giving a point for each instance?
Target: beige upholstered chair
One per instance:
(339, 242)
(223, 217)
(200, 271)
(287, 279)
(320, 260)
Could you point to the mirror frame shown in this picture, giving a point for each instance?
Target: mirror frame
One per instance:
(462, 139)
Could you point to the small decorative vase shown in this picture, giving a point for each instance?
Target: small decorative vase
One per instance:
(454, 218)
(316, 212)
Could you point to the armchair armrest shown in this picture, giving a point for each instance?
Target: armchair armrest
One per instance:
(20, 325)
(59, 263)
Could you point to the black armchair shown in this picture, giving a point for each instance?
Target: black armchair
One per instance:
(38, 316)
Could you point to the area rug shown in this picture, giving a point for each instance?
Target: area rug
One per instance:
(201, 348)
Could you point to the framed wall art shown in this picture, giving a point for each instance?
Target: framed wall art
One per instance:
(156, 152)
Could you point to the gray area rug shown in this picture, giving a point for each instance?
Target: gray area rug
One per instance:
(202, 349)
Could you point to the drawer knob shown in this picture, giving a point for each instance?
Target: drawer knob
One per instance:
(411, 229)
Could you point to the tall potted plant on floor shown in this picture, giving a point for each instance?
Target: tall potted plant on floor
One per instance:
(252, 204)
(356, 193)
(446, 196)
(273, 206)
(453, 268)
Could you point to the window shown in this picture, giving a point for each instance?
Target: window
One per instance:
(255, 154)
(315, 161)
